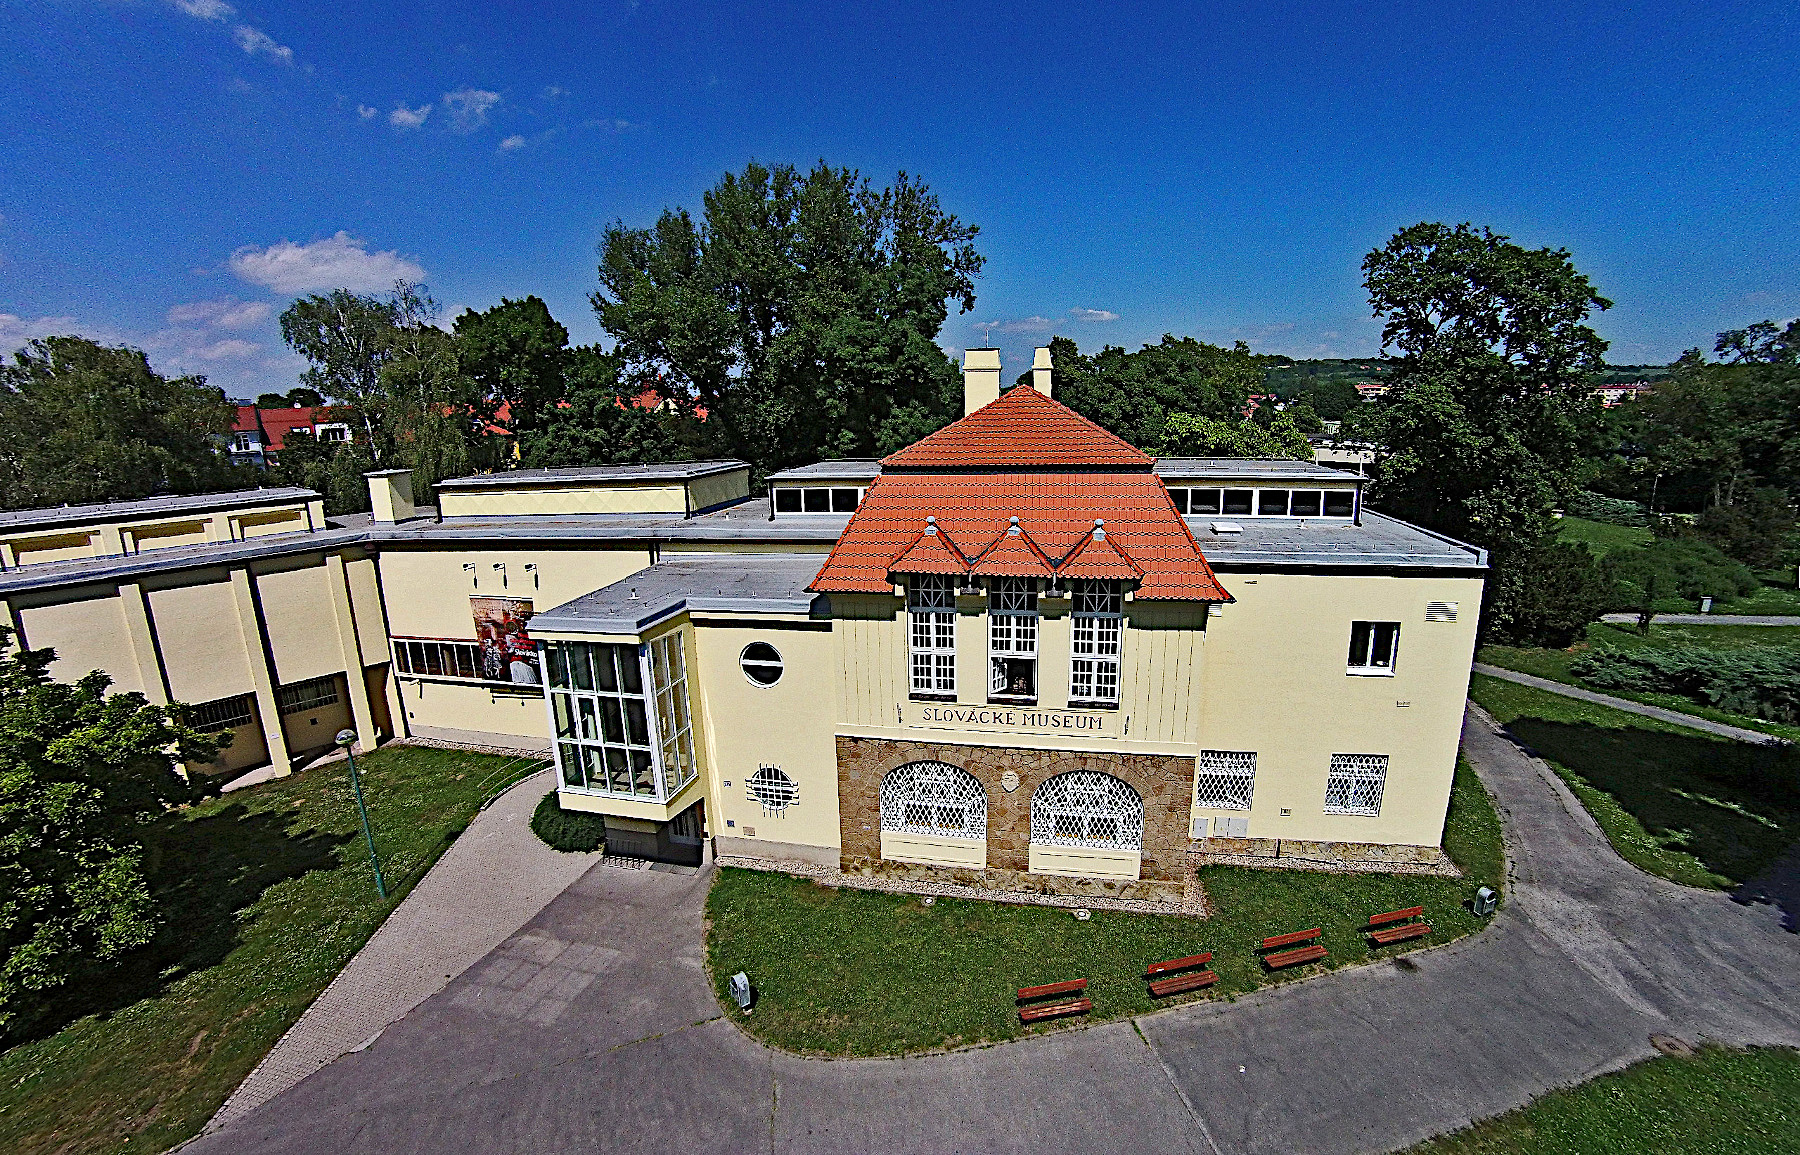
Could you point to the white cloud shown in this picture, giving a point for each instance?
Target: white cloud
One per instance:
(229, 313)
(1093, 315)
(337, 262)
(1027, 325)
(512, 142)
(229, 349)
(206, 9)
(16, 332)
(468, 108)
(404, 117)
(254, 41)
(367, 113)
(554, 91)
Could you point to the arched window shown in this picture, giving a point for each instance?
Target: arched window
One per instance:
(933, 798)
(1087, 808)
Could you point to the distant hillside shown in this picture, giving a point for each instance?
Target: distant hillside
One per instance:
(1329, 384)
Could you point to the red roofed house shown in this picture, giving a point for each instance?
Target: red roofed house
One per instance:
(257, 435)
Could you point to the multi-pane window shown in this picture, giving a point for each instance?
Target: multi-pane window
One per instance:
(1012, 638)
(931, 606)
(1374, 647)
(668, 677)
(1275, 502)
(1087, 808)
(1096, 627)
(1225, 779)
(434, 658)
(1355, 783)
(933, 798)
(225, 713)
(308, 695)
(810, 499)
(602, 719)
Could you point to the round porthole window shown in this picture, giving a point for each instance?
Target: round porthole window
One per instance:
(762, 663)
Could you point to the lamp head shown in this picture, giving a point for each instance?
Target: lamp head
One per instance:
(346, 738)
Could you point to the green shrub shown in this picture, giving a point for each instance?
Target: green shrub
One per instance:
(1612, 510)
(1763, 683)
(1544, 594)
(1685, 567)
(568, 830)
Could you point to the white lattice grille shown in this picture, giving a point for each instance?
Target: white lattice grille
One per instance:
(933, 798)
(1087, 808)
(1094, 636)
(772, 789)
(1225, 779)
(931, 600)
(1355, 783)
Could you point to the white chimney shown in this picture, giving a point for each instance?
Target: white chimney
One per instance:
(1040, 370)
(390, 495)
(981, 378)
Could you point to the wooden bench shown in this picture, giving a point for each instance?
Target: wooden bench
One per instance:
(1397, 926)
(1178, 981)
(1039, 1011)
(1295, 956)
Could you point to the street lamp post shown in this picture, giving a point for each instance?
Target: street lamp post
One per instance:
(347, 739)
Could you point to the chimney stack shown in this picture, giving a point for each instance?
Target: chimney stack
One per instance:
(1040, 370)
(390, 495)
(981, 378)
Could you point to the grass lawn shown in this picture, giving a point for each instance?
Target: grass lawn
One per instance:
(1554, 664)
(1601, 536)
(1684, 805)
(856, 972)
(1719, 1100)
(266, 893)
(1777, 594)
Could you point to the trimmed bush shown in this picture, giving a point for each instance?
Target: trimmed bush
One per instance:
(1763, 683)
(1599, 507)
(567, 830)
(1685, 567)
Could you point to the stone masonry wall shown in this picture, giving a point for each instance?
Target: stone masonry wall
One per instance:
(1166, 784)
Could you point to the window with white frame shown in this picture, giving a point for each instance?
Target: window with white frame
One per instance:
(1355, 783)
(449, 658)
(772, 789)
(1264, 502)
(1012, 639)
(931, 606)
(334, 434)
(933, 798)
(1225, 779)
(668, 677)
(602, 719)
(243, 443)
(1374, 647)
(1087, 808)
(1096, 628)
(817, 499)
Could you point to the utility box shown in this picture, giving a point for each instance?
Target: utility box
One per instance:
(1485, 902)
(740, 991)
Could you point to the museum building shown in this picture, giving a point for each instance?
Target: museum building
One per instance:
(1019, 649)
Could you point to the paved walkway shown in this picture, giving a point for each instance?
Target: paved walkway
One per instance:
(1630, 707)
(1707, 619)
(492, 881)
(595, 1029)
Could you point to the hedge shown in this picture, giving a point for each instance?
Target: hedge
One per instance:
(1763, 683)
(569, 830)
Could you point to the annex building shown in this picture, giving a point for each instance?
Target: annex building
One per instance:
(1020, 648)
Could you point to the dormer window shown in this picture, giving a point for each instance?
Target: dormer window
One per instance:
(1012, 640)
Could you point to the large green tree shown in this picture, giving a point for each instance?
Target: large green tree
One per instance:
(1490, 417)
(599, 421)
(515, 353)
(84, 422)
(800, 311)
(1135, 394)
(81, 772)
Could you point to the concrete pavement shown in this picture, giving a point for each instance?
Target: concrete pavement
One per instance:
(594, 1028)
(1735, 733)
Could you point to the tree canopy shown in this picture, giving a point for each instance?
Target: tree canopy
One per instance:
(598, 421)
(83, 422)
(515, 353)
(800, 311)
(1136, 394)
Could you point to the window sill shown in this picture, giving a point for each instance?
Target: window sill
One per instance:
(931, 697)
(524, 689)
(1369, 672)
(1075, 704)
(1009, 700)
(1353, 813)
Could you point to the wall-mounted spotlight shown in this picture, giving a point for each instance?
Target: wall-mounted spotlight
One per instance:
(474, 578)
(531, 568)
(500, 568)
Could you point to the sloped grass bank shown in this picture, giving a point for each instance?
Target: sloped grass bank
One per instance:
(1717, 1100)
(1677, 803)
(266, 893)
(854, 972)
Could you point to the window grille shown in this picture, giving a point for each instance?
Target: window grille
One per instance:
(931, 602)
(1225, 779)
(668, 676)
(1355, 783)
(933, 798)
(309, 695)
(225, 713)
(1087, 808)
(1095, 632)
(772, 789)
(1374, 647)
(761, 663)
(1012, 638)
(1440, 611)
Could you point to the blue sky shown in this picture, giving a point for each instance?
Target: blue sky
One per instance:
(175, 170)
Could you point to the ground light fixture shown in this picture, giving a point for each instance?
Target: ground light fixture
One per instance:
(347, 739)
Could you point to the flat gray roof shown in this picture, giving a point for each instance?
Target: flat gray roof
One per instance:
(1313, 542)
(847, 469)
(657, 471)
(1189, 469)
(151, 507)
(761, 583)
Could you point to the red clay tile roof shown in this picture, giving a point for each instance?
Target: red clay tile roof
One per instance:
(1098, 557)
(1023, 429)
(934, 552)
(1056, 509)
(1014, 554)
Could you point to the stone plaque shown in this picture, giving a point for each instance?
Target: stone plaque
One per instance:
(1009, 781)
